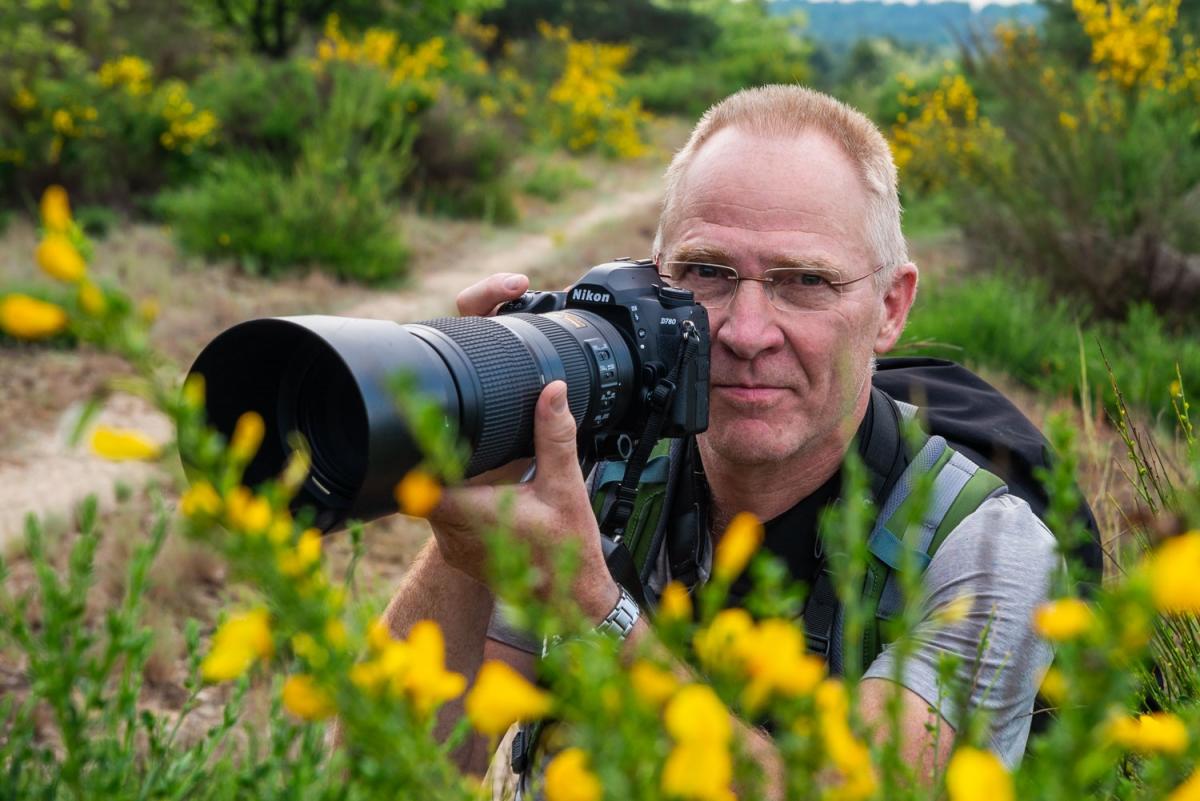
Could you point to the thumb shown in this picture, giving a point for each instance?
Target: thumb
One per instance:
(554, 435)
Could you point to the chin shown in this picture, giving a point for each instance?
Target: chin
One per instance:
(751, 442)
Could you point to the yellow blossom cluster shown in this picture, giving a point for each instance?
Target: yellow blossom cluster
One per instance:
(1171, 572)
(1156, 733)
(59, 255)
(768, 656)
(585, 98)
(420, 66)
(501, 697)
(413, 669)
(187, 126)
(941, 137)
(699, 766)
(238, 643)
(976, 775)
(855, 779)
(568, 778)
(127, 72)
(1131, 42)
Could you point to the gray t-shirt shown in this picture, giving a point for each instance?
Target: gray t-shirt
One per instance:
(1001, 556)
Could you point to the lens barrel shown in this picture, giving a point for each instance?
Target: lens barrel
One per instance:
(329, 379)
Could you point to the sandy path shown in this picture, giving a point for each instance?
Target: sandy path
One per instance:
(44, 476)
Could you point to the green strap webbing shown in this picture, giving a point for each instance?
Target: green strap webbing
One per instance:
(647, 507)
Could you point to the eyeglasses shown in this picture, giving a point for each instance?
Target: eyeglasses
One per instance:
(788, 288)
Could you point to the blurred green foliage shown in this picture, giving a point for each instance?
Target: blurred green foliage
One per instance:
(1010, 323)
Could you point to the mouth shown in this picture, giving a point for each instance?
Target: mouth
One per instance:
(749, 393)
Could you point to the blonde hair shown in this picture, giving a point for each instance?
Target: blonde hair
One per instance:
(783, 111)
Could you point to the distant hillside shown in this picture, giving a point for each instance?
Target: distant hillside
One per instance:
(835, 23)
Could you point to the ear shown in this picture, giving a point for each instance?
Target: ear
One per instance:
(897, 300)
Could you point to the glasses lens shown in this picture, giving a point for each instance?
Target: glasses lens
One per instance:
(712, 284)
(799, 290)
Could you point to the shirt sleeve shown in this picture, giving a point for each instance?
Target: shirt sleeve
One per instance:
(1001, 557)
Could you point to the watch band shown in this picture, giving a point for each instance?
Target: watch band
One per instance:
(621, 620)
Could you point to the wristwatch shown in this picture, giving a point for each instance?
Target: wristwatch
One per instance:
(621, 620)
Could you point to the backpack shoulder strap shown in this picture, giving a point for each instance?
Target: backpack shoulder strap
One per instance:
(648, 507)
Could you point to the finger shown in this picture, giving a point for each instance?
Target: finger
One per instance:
(554, 434)
(482, 298)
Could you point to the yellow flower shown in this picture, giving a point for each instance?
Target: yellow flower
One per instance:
(59, 259)
(1064, 619)
(1054, 686)
(955, 611)
(304, 699)
(698, 770)
(307, 553)
(148, 310)
(774, 659)
(121, 445)
(1156, 733)
(200, 499)
(696, 714)
(246, 511)
(418, 493)
(1173, 568)
(652, 684)
(675, 603)
(427, 683)
(501, 696)
(568, 778)
(1188, 791)
(1067, 121)
(91, 298)
(238, 643)
(849, 755)
(717, 645)
(56, 209)
(247, 436)
(194, 391)
(739, 542)
(29, 318)
(975, 775)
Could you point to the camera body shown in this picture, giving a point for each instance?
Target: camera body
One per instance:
(654, 320)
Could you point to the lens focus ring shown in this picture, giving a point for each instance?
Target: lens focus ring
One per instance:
(510, 383)
(575, 363)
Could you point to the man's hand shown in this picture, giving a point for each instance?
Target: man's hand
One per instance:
(548, 512)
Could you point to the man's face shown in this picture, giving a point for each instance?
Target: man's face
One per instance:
(783, 382)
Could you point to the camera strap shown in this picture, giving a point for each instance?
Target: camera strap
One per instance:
(616, 517)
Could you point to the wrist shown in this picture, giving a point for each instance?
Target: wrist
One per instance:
(597, 595)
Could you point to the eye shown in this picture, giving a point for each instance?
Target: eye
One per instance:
(798, 279)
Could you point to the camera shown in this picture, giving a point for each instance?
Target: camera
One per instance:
(633, 351)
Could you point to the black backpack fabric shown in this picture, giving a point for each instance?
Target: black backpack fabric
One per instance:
(983, 425)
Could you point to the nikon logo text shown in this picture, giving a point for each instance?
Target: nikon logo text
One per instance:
(590, 296)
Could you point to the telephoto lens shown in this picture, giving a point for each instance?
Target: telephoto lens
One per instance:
(330, 379)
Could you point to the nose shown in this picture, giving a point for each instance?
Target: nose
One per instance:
(748, 325)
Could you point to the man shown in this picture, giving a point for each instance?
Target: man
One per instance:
(787, 180)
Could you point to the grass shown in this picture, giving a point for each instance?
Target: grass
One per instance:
(1017, 326)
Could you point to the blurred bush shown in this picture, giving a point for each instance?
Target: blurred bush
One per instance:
(551, 180)
(264, 106)
(1086, 178)
(751, 47)
(462, 163)
(1008, 322)
(332, 207)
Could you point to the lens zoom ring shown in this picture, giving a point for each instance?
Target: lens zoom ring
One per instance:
(575, 361)
(511, 384)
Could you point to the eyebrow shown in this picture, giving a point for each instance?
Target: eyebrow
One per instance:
(713, 255)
